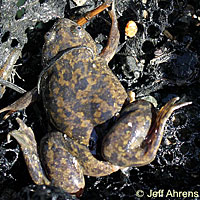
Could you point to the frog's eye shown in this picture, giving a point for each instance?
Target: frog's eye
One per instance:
(76, 30)
(50, 36)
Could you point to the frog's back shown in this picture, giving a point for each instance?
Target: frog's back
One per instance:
(81, 92)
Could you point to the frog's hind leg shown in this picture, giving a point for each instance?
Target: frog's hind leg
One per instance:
(25, 137)
(91, 166)
(62, 168)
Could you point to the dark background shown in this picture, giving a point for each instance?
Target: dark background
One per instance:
(175, 72)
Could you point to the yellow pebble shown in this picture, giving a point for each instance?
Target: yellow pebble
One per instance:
(131, 29)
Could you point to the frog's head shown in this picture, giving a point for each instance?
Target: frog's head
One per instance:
(65, 34)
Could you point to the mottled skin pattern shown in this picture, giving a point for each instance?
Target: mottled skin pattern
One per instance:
(79, 92)
(63, 35)
(142, 128)
(125, 151)
(66, 172)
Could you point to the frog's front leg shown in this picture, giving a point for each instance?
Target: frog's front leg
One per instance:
(22, 102)
(25, 137)
(109, 51)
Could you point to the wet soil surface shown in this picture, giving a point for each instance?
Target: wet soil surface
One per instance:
(162, 60)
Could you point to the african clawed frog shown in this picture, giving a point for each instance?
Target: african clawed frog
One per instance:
(79, 91)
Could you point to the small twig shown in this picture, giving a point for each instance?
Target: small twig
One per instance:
(12, 86)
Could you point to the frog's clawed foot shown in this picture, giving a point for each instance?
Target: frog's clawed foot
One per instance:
(154, 139)
(169, 108)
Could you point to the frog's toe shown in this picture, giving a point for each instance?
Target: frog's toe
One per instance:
(166, 111)
(131, 96)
